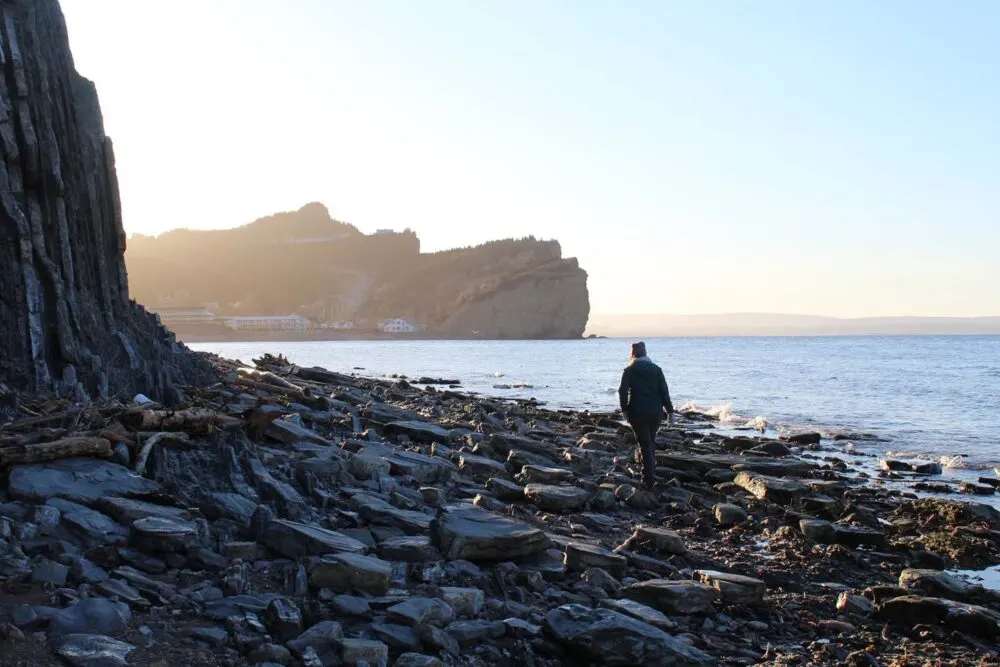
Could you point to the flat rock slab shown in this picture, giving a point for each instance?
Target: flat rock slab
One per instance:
(642, 612)
(159, 535)
(612, 639)
(347, 572)
(553, 498)
(84, 650)
(734, 588)
(409, 549)
(81, 480)
(419, 431)
(546, 475)
(469, 533)
(704, 464)
(506, 442)
(425, 469)
(938, 584)
(421, 611)
(852, 536)
(673, 597)
(89, 526)
(367, 651)
(474, 465)
(295, 540)
(659, 540)
(765, 487)
(127, 510)
(288, 432)
(378, 511)
(504, 490)
(580, 556)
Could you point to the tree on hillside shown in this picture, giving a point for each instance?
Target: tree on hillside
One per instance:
(67, 324)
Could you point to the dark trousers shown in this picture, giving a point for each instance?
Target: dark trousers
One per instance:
(645, 428)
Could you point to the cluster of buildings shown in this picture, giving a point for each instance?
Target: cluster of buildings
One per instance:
(172, 317)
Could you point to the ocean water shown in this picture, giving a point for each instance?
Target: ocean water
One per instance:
(935, 397)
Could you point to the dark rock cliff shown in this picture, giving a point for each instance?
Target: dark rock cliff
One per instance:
(66, 321)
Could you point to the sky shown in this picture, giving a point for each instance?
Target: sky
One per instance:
(827, 158)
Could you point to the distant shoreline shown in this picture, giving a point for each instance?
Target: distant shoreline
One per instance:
(321, 335)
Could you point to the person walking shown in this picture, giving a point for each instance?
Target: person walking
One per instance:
(644, 396)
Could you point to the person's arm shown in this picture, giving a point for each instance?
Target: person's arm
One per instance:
(665, 396)
(623, 393)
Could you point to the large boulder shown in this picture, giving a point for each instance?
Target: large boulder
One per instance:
(766, 487)
(611, 639)
(90, 617)
(469, 533)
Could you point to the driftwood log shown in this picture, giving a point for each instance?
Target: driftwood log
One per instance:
(57, 449)
(67, 324)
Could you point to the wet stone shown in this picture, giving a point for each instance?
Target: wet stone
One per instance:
(818, 530)
(766, 487)
(938, 584)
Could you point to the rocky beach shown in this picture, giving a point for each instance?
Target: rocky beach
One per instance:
(299, 516)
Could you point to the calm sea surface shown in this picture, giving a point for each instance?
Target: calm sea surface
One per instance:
(938, 397)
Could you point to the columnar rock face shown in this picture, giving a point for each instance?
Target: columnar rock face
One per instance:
(66, 321)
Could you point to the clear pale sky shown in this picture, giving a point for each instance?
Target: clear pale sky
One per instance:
(836, 158)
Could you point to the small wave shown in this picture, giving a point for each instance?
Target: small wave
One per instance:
(725, 416)
(957, 461)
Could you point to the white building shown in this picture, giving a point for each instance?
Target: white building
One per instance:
(340, 324)
(268, 323)
(396, 325)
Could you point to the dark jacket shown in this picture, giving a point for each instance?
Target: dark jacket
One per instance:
(644, 392)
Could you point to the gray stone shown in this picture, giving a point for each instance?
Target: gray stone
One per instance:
(417, 660)
(295, 540)
(641, 612)
(230, 506)
(289, 433)
(580, 556)
(92, 528)
(935, 583)
(211, 636)
(468, 533)
(50, 572)
(546, 475)
(858, 605)
(480, 466)
(410, 549)
(348, 572)
(818, 530)
(436, 639)
(600, 578)
(733, 588)
(322, 637)
(469, 632)
(125, 593)
(283, 619)
(661, 540)
(775, 489)
(32, 617)
(284, 495)
(727, 514)
(86, 572)
(82, 480)
(127, 510)
(235, 605)
(553, 498)
(421, 611)
(467, 602)
(270, 653)
(673, 597)
(505, 490)
(91, 616)
(378, 511)
(398, 637)
(159, 535)
(418, 431)
(367, 651)
(424, 469)
(93, 650)
(612, 639)
(853, 536)
(350, 605)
